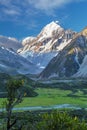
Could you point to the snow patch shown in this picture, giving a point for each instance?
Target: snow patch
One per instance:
(82, 72)
(27, 40)
(54, 75)
(39, 59)
(76, 57)
(4, 66)
(48, 30)
(2, 47)
(13, 39)
(63, 44)
(11, 51)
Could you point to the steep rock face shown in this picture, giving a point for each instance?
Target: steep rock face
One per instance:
(41, 49)
(82, 72)
(11, 43)
(27, 40)
(51, 36)
(43, 42)
(69, 60)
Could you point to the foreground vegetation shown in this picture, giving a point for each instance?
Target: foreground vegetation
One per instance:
(51, 120)
(21, 91)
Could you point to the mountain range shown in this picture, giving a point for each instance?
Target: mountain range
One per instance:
(46, 45)
(71, 61)
(10, 43)
(54, 52)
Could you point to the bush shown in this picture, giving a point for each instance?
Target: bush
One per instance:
(60, 121)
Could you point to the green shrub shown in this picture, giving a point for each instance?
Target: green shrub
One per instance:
(60, 121)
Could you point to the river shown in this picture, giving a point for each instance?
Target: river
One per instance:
(33, 108)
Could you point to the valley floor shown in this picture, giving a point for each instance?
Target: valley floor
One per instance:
(58, 93)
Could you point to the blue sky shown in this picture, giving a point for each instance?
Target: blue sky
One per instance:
(22, 18)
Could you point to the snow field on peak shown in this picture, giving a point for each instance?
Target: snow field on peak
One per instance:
(49, 29)
(27, 40)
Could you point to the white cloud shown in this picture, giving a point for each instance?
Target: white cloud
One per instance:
(11, 12)
(8, 8)
(23, 9)
(48, 6)
(44, 5)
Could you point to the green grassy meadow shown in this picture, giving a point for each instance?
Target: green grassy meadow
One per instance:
(55, 96)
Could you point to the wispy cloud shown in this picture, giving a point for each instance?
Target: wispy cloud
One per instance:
(28, 9)
(17, 6)
(11, 12)
(9, 9)
(50, 5)
(47, 5)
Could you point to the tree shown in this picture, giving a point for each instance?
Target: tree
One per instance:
(14, 97)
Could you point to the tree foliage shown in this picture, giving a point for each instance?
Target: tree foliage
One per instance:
(14, 97)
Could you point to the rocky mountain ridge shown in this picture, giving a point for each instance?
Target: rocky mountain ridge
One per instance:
(70, 61)
(50, 37)
(12, 63)
(54, 52)
(10, 43)
(41, 49)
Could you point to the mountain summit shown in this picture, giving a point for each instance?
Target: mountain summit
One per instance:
(50, 30)
(44, 40)
(46, 45)
(71, 61)
(54, 52)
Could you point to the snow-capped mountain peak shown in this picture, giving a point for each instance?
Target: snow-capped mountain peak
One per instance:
(50, 29)
(45, 40)
(54, 52)
(42, 48)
